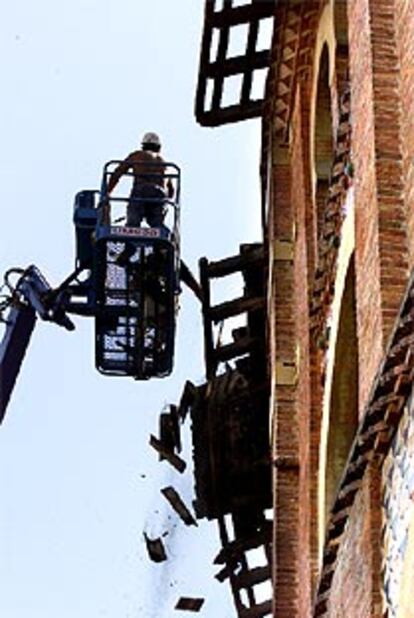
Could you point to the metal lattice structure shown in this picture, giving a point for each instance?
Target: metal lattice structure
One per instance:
(232, 472)
(233, 478)
(135, 320)
(218, 67)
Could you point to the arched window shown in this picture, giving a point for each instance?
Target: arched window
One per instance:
(343, 409)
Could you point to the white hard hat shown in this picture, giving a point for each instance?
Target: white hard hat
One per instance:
(151, 138)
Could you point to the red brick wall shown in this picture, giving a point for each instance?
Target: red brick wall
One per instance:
(381, 39)
(367, 250)
(381, 264)
(389, 161)
(355, 590)
(285, 437)
(404, 17)
(291, 430)
(302, 333)
(381, 238)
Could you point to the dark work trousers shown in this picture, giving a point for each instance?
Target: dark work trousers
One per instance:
(146, 201)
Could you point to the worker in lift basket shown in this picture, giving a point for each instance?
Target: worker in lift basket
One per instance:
(150, 188)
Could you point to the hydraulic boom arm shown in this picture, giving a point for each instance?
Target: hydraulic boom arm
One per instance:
(31, 296)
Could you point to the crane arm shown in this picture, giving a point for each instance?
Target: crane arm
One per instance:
(20, 323)
(31, 296)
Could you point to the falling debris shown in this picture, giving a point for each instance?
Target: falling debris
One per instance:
(192, 605)
(187, 399)
(225, 572)
(155, 549)
(179, 506)
(170, 429)
(178, 463)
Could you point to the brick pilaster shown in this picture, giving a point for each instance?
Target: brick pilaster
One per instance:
(381, 236)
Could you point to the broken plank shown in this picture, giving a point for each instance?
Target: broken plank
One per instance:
(178, 463)
(224, 573)
(156, 550)
(178, 505)
(187, 399)
(190, 604)
(170, 430)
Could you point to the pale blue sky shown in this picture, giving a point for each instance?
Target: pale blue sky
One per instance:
(81, 81)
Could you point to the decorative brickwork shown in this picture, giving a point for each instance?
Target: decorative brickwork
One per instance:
(384, 410)
(376, 144)
(351, 593)
(291, 219)
(367, 51)
(323, 290)
(404, 20)
(303, 386)
(288, 320)
(285, 425)
(292, 55)
(330, 231)
(296, 25)
(381, 242)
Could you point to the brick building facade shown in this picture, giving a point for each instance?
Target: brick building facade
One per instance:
(337, 167)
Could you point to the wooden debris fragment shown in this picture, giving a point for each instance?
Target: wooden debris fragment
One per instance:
(190, 604)
(187, 399)
(225, 573)
(156, 550)
(179, 506)
(170, 429)
(178, 463)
